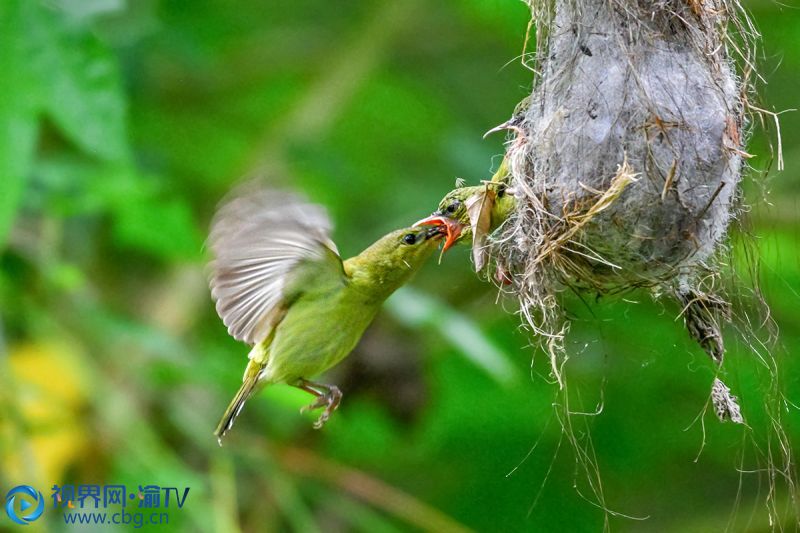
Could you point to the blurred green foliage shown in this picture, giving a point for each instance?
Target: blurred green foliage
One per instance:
(124, 123)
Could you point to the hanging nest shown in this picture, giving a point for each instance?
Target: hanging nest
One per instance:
(626, 158)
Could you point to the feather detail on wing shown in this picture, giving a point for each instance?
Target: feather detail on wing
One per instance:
(258, 238)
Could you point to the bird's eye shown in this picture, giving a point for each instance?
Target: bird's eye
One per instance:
(452, 207)
(409, 238)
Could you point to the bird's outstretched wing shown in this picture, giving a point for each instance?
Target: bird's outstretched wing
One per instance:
(259, 237)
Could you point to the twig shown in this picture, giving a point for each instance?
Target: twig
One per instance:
(367, 488)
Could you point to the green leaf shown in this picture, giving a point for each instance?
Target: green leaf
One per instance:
(86, 10)
(17, 115)
(51, 62)
(415, 308)
(70, 184)
(80, 85)
(164, 228)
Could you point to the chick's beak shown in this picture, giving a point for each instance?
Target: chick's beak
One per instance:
(512, 124)
(500, 127)
(451, 227)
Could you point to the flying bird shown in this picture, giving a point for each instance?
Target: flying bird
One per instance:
(281, 286)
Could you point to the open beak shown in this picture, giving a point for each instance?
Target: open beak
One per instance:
(452, 228)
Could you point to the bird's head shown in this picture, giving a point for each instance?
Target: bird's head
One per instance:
(452, 215)
(413, 245)
(394, 258)
(407, 246)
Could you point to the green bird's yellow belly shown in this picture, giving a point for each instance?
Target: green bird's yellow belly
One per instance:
(317, 332)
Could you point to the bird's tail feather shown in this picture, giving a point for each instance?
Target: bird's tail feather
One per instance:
(249, 386)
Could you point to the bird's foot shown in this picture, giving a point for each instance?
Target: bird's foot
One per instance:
(328, 396)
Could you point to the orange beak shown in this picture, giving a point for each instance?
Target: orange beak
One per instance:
(452, 227)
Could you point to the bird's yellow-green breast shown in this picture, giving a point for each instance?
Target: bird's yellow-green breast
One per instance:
(323, 325)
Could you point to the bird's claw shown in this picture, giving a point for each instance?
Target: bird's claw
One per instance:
(330, 401)
(321, 420)
(320, 401)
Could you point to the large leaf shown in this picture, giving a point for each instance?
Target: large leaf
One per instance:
(17, 114)
(415, 308)
(87, 10)
(80, 85)
(162, 227)
(50, 61)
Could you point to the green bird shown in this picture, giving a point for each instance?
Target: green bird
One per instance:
(475, 211)
(280, 286)
(478, 211)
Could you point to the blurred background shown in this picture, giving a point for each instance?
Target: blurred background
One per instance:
(123, 125)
